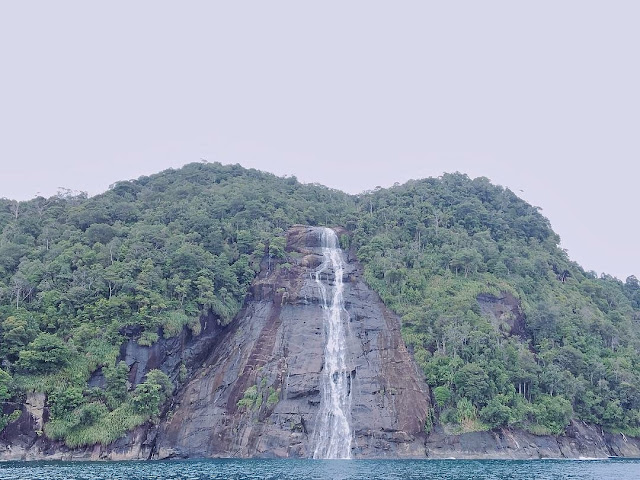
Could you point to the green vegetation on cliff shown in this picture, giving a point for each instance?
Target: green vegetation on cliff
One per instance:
(438, 250)
(81, 276)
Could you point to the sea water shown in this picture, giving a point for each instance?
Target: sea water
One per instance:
(324, 469)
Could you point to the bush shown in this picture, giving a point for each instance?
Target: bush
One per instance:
(105, 427)
(472, 382)
(148, 338)
(465, 411)
(251, 398)
(90, 413)
(7, 419)
(173, 322)
(429, 421)
(274, 396)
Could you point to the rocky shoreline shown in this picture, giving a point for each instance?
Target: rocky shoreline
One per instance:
(582, 441)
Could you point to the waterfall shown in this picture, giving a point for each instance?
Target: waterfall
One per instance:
(332, 434)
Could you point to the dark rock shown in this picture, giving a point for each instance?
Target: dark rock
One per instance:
(168, 354)
(504, 312)
(580, 441)
(97, 380)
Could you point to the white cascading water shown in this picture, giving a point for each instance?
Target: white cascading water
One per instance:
(332, 434)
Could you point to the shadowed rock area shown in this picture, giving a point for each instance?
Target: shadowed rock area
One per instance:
(258, 393)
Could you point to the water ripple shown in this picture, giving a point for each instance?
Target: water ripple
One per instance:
(324, 469)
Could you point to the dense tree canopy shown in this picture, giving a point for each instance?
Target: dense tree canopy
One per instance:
(434, 248)
(80, 276)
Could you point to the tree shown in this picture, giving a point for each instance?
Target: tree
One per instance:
(466, 260)
(46, 354)
(472, 382)
(149, 396)
(116, 383)
(442, 395)
(5, 386)
(100, 233)
(553, 413)
(16, 333)
(62, 401)
(193, 239)
(495, 413)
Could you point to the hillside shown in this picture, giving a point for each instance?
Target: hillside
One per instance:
(507, 330)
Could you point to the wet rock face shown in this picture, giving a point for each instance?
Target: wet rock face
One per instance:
(258, 394)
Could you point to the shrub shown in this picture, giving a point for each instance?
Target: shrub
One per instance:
(274, 396)
(250, 398)
(64, 400)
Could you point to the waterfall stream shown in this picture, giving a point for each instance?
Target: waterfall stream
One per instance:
(332, 434)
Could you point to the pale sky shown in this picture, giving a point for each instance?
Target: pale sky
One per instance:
(542, 97)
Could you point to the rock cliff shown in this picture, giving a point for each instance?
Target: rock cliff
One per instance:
(258, 394)
(253, 387)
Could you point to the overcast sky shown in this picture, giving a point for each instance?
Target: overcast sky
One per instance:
(542, 97)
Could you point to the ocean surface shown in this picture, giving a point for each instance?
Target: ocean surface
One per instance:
(324, 469)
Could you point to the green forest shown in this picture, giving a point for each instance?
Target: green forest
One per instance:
(81, 276)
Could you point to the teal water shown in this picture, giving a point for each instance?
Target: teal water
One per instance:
(324, 469)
